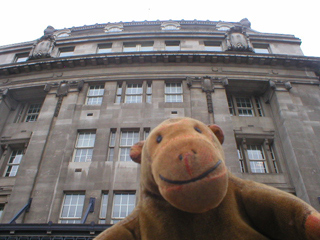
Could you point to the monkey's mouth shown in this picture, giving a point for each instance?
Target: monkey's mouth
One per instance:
(201, 176)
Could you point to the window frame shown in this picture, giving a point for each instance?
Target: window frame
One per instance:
(104, 48)
(7, 172)
(66, 51)
(122, 95)
(169, 94)
(212, 46)
(124, 149)
(73, 220)
(261, 48)
(98, 93)
(134, 93)
(81, 148)
(21, 57)
(144, 46)
(2, 206)
(112, 145)
(35, 115)
(269, 159)
(172, 45)
(255, 102)
(103, 208)
(128, 193)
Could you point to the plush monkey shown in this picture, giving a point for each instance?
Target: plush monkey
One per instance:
(187, 193)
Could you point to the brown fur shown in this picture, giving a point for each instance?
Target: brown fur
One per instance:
(186, 194)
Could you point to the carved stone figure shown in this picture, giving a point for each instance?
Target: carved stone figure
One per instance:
(237, 40)
(44, 46)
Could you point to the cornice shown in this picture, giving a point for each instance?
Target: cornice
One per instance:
(111, 59)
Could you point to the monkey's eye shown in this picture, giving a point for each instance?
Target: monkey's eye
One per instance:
(197, 129)
(159, 139)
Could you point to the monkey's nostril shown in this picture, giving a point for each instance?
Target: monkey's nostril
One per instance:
(194, 151)
(180, 157)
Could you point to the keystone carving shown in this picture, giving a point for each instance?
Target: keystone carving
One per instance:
(237, 40)
(44, 46)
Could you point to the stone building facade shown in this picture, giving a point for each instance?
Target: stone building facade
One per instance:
(73, 101)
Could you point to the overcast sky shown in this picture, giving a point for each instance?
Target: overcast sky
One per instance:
(22, 20)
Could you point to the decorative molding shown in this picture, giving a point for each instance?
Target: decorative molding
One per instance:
(158, 57)
(170, 25)
(111, 27)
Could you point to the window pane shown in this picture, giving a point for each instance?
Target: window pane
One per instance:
(16, 156)
(128, 138)
(134, 99)
(72, 207)
(33, 112)
(258, 166)
(65, 52)
(94, 101)
(125, 154)
(83, 155)
(244, 106)
(104, 48)
(21, 59)
(134, 89)
(212, 46)
(172, 45)
(1, 209)
(173, 98)
(104, 205)
(13, 163)
(111, 154)
(86, 139)
(173, 88)
(255, 152)
(97, 90)
(123, 205)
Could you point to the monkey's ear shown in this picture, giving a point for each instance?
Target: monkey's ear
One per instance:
(217, 131)
(135, 152)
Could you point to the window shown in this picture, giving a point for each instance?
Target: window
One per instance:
(61, 35)
(169, 26)
(136, 47)
(149, 93)
(112, 141)
(72, 208)
(119, 93)
(172, 45)
(261, 48)
(146, 133)
(115, 29)
(223, 28)
(245, 106)
(173, 92)
(212, 46)
(1, 209)
(104, 48)
(14, 162)
(21, 57)
(127, 139)
(123, 204)
(257, 157)
(84, 147)
(33, 112)
(133, 93)
(66, 51)
(103, 208)
(95, 95)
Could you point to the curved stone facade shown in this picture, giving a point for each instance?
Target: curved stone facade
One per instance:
(72, 103)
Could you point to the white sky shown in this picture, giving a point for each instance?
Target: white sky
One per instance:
(22, 20)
